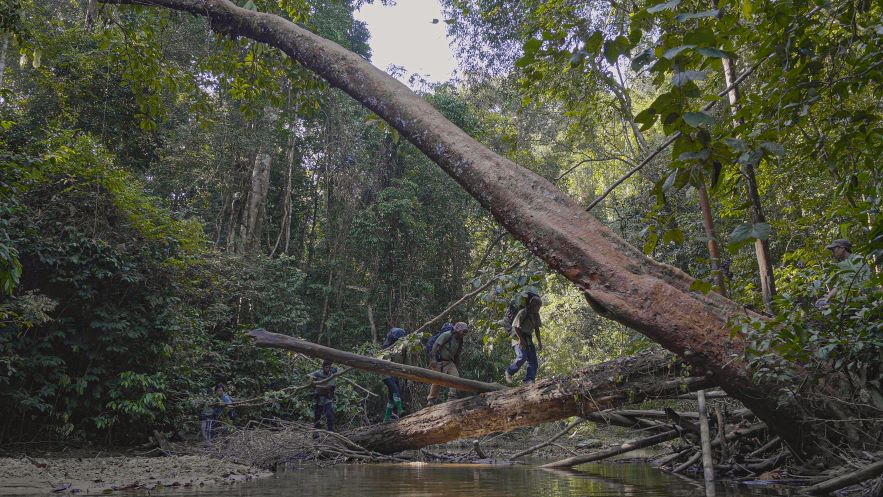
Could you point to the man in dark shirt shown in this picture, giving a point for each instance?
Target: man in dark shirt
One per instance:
(325, 383)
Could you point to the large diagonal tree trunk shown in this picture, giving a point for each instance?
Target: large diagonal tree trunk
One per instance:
(618, 280)
(603, 386)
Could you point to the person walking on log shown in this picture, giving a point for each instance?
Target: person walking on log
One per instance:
(526, 324)
(325, 385)
(391, 382)
(445, 355)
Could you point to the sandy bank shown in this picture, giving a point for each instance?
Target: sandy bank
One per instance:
(96, 475)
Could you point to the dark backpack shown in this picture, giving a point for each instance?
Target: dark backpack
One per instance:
(431, 342)
(392, 337)
(514, 307)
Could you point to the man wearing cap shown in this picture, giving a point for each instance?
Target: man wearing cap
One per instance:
(325, 383)
(852, 269)
(445, 355)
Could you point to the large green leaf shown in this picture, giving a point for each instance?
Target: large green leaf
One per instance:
(686, 16)
(673, 52)
(747, 233)
(713, 52)
(670, 4)
(684, 77)
(696, 119)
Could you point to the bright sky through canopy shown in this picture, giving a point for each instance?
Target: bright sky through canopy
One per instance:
(404, 35)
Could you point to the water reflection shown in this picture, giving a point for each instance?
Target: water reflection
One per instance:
(438, 480)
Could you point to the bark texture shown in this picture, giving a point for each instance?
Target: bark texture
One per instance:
(618, 280)
(603, 386)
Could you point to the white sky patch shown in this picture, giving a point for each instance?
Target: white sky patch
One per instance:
(404, 35)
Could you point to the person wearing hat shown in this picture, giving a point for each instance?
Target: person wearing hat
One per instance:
(324, 383)
(852, 269)
(526, 324)
(445, 355)
(391, 382)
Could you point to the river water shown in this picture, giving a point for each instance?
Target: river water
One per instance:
(468, 480)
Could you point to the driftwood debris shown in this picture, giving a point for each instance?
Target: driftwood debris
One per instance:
(732, 435)
(550, 441)
(871, 471)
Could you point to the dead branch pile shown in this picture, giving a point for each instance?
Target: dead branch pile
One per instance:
(276, 444)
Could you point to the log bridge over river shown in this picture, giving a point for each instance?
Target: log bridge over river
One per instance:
(604, 386)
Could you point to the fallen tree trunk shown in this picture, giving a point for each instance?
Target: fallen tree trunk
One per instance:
(600, 387)
(619, 282)
(264, 338)
(615, 451)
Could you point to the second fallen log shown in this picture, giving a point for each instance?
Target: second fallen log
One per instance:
(264, 338)
(615, 451)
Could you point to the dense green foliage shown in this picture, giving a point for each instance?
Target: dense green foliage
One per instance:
(164, 189)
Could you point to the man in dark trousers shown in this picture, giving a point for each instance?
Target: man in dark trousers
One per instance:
(324, 393)
(526, 324)
(391, 382)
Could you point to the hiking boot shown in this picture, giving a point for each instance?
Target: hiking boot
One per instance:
(508, 377)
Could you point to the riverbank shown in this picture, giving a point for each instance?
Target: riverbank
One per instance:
(95, 475)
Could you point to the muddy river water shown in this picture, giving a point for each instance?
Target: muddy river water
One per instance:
(466, 480)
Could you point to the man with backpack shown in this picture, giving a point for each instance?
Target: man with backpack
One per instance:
(444, 355)
(525, 324)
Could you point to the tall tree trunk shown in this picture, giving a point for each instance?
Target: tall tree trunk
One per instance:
(618, 280)
(3, 57)
(285, 225)
(257, 200)
(714, 254)
(373, 326)
(310, 239)
(755, 209)
(327, 292)
(232, 224)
